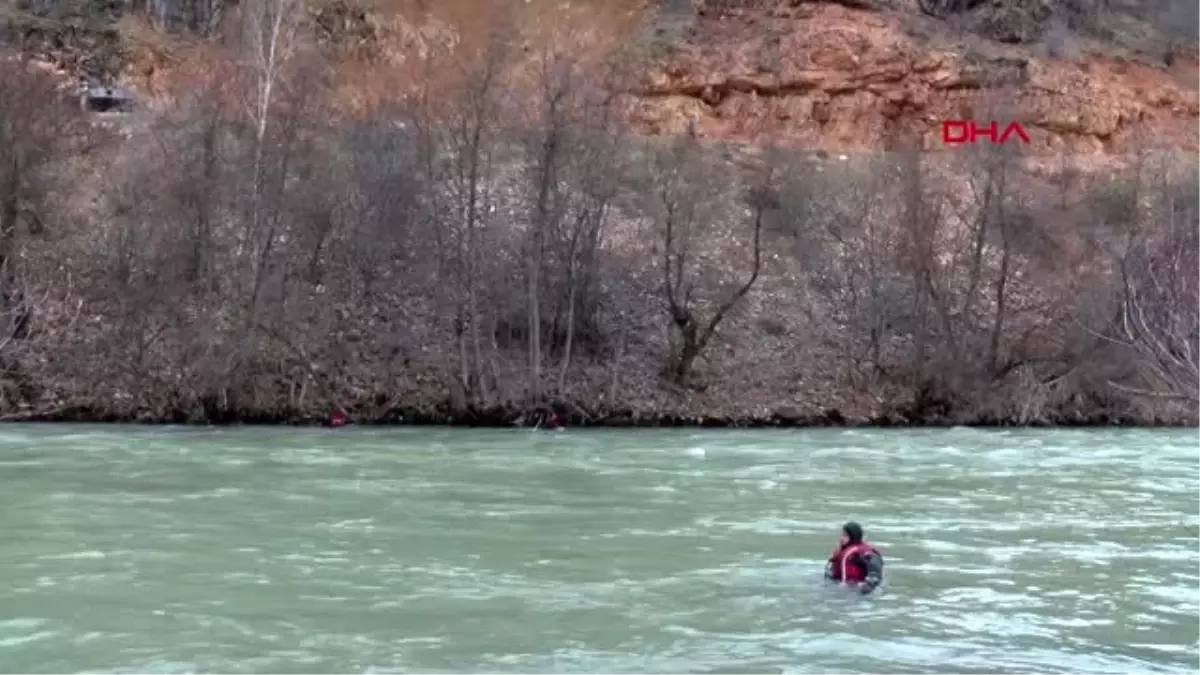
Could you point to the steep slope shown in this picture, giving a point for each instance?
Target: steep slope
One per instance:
(830, 76)
(850, 75)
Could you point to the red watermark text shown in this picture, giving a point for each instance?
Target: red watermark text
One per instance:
(959, 132)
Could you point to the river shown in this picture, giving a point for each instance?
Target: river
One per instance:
(173, 550)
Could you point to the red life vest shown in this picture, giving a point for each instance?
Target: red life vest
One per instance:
(338, 419)
(846, 571)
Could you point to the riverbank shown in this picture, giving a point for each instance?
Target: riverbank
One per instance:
(577, 416)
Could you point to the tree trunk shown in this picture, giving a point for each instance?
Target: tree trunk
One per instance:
(1001, 309)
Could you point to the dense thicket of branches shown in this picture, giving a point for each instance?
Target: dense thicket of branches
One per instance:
(504, 243)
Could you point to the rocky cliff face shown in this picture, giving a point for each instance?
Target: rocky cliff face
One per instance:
(837, 77)
(850, 74)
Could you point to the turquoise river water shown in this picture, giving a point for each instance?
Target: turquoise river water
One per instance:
(255, 550)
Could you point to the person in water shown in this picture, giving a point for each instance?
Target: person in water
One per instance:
(854, 562)
(551, 421)
(338, 418)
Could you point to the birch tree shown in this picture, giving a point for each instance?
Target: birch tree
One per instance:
(271, 38)
(272, 28)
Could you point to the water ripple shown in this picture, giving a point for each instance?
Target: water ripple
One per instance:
(274, 550)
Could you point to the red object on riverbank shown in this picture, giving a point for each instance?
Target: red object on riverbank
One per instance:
(338, 418)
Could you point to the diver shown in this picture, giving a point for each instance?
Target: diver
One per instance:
(550, 421)
(338, 418)
(854, 562)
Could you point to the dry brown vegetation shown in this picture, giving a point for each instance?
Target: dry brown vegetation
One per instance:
(486, 244)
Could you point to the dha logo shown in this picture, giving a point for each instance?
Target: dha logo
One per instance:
(958, 132)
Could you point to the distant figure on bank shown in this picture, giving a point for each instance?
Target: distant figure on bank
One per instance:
(854, 562)
(551, 421)
(338, 418)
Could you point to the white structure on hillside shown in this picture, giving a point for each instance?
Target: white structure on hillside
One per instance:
(96, 98)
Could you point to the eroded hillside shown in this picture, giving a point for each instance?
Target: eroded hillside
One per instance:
(830, 76)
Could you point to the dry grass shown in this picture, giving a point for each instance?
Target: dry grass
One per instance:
(415, 45)
(429, 46)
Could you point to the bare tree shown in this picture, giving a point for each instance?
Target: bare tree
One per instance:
(377, 203)
(838, 217)
(1154, 255)
(683, 187)
(204, 16)
(36, 130)
(271, 30)
(919, 219)
(187, 159)
(557, 82)
(969, 243)
(164, 248)
(458, 147)
(282, 98)
(595, 171)
(572, 150)
(994, 223)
